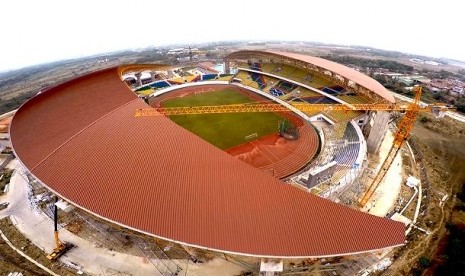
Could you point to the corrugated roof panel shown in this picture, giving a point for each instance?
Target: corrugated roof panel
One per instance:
(152, 175)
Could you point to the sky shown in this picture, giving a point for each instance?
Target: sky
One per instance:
(34, 32)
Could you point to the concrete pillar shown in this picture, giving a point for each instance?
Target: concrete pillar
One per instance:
(377, 132)
(153, 74)
(227, 69)
(138, 80)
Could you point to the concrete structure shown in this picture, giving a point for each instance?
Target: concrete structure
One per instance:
(227, 68)
(138, 79)
(379, 126)
(320, 174)
(153, 75)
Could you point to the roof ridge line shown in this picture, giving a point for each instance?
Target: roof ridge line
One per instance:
(82, 130)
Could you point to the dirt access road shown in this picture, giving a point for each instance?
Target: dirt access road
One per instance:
(443, 146)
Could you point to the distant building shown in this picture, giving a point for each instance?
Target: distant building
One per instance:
(431, 62)
(394, 75)
(176, 51)
(416, 60)
(458, 90)
(455, 87)
(405, 80)
(439, 84)
(420, 79)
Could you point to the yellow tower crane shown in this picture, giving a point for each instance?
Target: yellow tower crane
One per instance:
(403, 132)
(60, 247)
(403, 129)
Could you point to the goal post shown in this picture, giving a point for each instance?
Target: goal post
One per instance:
(251, 136)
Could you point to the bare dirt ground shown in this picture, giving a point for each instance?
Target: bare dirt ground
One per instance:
(11, 261)
(442, 145)
(388, 190)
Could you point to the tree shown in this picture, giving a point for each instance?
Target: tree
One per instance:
(460, 104)
(424, 262)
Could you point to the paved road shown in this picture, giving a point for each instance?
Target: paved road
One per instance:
(39, 229)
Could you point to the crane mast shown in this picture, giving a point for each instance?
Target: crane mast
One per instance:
(60, 247)
(402, 134)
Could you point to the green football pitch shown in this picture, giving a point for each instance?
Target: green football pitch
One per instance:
(223, 130)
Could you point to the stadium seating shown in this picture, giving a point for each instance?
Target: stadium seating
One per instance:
(294, 162)
(206, 77)
(345, 144)
(343, 116)
(159, 84)
(286, 97)
(351, 134)
(304, 92)
(145, 91)
(225, 77)
(353, 99)
(242, 75)
(242, 65)
(347, 155)
(268, 67)
(319, 82)
(258, 78)
(339, 130)
(270, 81)
(276, 92)
(318, 100)
(285, 86)
(344, 153)
(332, 90)
(185, 79)
(295, 74)
(246, 79)
(255, 66)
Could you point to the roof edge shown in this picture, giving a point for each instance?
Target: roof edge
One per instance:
(340, 69)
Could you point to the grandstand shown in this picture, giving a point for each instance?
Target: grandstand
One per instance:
(224, 77)
(291, 83)
(290, 72)
(318, 87)
(161, 180)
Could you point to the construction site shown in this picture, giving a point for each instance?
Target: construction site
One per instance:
(125, 175)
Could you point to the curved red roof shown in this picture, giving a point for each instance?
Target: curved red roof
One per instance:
(349, 73)
(81, 140)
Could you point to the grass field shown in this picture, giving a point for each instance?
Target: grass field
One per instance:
(223, 130)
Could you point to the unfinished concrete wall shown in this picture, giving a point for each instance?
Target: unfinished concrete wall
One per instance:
(377, 132)
(227, 69)
(319, 175)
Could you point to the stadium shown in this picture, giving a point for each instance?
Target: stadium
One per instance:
(250, 185)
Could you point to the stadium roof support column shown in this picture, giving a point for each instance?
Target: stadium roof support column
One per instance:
(153, 74)
(227, 69)
(377, 132)
(138, 79)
